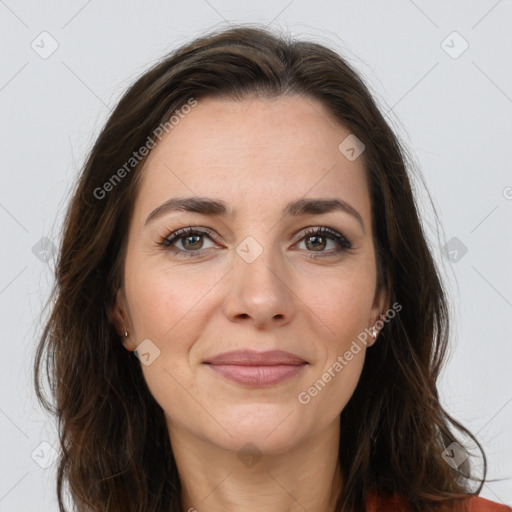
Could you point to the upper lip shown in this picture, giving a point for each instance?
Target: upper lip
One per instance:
(255, 358)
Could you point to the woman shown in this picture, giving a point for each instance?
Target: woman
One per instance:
(246, 313)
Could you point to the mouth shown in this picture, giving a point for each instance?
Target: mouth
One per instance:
(251, 375)
(255, 369)
(255, 358)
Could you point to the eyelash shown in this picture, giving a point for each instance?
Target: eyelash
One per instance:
(343, 243)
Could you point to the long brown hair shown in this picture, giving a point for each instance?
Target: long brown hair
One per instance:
(115, 450)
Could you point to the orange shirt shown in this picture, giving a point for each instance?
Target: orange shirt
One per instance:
(398, 504)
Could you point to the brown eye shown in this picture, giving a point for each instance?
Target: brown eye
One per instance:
(190, 240)
(316, 241)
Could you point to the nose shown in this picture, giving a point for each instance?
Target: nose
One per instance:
(259, 289)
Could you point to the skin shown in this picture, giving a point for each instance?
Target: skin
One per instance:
(256, 155)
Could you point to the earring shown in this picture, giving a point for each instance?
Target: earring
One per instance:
(125, 334)
(374, 333)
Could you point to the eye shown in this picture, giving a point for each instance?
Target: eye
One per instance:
(313, 239)
(191, 240)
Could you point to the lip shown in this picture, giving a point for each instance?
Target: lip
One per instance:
(252, 368)
(257, 376)
(255, 358)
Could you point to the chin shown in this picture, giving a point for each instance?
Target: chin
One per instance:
(272, 428)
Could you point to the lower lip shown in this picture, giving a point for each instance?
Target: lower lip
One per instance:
(257, 375)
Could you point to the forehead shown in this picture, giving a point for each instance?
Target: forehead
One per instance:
(255, 151)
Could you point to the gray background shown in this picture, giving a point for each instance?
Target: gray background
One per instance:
(451, 107)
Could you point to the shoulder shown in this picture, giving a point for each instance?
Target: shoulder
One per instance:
(477, 504)
(396, 503)
(382, 503)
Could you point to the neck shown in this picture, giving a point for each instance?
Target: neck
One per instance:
(213, 478)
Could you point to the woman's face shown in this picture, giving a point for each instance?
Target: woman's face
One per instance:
(252, 279)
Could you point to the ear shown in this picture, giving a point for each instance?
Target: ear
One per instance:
(378, 312)
(119, 318)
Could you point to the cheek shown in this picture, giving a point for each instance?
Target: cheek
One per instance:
(342, 304)
(166, 299)
(341, 307)
(169, 310)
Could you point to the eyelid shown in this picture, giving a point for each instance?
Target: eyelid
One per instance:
(176, 234)
(344, 243)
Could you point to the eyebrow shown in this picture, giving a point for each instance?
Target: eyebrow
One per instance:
(219, 208)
